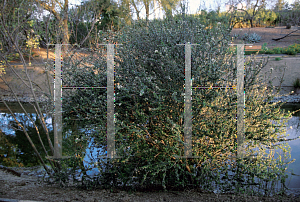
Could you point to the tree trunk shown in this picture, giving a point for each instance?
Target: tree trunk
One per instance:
(251, 22)
(137, 10)
(65, 29)
(147, 7)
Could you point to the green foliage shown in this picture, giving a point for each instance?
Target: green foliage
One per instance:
(269, 52)
(16, 20)
(109, 18)
(8, 152)
(264, 47)
(149, 110)
(2, 67)
(277, 50)
(297, 83)
(279, 5)
(266, 17)
(263, 18)
(290, 50)
(211, 17)
(290, 15)
(278, 58)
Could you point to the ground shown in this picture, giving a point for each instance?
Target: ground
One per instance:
(29, 188)
(36, 71)
(267, 34)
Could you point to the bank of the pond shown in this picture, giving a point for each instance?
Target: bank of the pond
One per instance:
(29, 188)
(27, 99)
(287, 99)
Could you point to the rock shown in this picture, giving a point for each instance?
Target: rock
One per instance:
(31, 173)
(26, 172)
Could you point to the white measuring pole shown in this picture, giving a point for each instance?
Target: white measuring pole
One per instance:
(240, 100)
(57, 104)
(111, 150)
(188, 103)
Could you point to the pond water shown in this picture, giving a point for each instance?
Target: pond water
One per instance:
(293, 126)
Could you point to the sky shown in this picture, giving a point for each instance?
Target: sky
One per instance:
(193, 5)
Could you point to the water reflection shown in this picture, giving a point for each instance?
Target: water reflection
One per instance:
(293, 127)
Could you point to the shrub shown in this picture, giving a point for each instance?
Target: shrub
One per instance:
(297, 83)
(291, 50)
(149, 110)
(278, 59)
(8, 152)
(277, 50)
(269, 52)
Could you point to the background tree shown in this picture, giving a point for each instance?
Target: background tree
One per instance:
(10, 22)
(255, 7)
(169, 6)
(290, 15)
(60, 10)
(93, 17)
(279, 5)
(218, 4)
(81, 23)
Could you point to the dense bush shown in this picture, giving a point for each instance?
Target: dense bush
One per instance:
(149, 110)
(8, 152)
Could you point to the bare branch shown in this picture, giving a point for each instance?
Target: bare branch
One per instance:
(31, 87)
(26, 134)
(59, 4)
(49, 8)
(35, 126)
(87, 36)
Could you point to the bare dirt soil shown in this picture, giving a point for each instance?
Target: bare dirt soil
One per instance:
(30, 188)
(267, 34)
